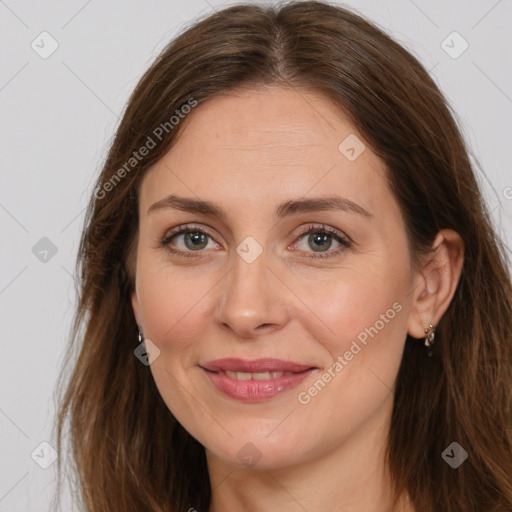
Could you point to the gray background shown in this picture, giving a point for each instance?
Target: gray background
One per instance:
(57, 118)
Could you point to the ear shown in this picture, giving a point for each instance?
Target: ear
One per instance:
(435, 282)
(136, 308)
(131, 270)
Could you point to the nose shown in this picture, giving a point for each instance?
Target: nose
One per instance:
(253, 299)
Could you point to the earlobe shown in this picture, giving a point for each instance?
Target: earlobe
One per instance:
(436, 282)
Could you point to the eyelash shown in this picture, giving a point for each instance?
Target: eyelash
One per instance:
(310, 229)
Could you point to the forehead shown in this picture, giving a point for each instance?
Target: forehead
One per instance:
(266, 143)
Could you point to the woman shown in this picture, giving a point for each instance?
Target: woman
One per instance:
(289, 219)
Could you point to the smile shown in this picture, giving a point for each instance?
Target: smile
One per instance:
(255, 381)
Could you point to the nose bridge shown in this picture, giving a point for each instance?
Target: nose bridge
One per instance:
(250, 297)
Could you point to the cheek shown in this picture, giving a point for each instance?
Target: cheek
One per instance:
(172, 303)
(362, 331)
(360, 302)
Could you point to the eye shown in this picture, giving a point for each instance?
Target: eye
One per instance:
(319, 237)
(194, 240)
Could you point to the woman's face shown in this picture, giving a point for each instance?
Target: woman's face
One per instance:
(259, 285)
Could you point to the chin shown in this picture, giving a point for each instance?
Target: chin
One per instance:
(261, 448)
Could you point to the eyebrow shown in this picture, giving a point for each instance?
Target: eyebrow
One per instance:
(285, 209)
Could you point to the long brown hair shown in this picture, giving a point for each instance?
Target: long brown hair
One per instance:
(128, 451)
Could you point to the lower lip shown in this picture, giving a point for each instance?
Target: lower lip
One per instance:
(255, 390)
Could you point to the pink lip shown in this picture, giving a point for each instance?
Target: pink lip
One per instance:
(255, 390)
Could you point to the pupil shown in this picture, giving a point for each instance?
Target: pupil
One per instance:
(196, 239)
(321, 238)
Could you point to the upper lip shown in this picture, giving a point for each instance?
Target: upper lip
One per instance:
(266, 364)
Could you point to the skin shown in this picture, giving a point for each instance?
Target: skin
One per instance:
(249, 151)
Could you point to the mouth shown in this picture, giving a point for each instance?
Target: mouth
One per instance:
(257, 380)
(255, 375)
(262, 365)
